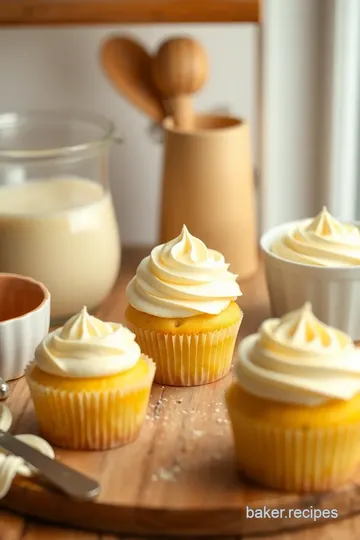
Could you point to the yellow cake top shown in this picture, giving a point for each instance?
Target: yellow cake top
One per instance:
(183, 278)
(322, 241)
(298, 359)
(87, 347)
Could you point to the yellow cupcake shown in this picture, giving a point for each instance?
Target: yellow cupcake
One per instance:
(182, 309)
(295, 405)
(90, 384)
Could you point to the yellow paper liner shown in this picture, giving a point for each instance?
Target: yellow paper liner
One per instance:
(189, 359)
(91, 420)
(299, 460)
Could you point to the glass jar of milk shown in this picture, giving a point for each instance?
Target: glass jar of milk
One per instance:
(57, 220)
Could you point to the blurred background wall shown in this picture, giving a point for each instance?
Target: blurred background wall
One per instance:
(59, 68)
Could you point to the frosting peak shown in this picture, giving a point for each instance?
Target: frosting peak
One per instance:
(302, 329)
(189, 248)
(84, 326)
(325, 225)
(298, 359)
(87, 347)
(182, 278)
(322, 241)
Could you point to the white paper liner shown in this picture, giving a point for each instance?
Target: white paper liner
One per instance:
(297, 460)
(189, 359)
(91, 420)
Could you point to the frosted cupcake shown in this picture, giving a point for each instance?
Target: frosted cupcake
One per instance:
(296, 400)
(90, 384)
(182, 309)
(317, 260)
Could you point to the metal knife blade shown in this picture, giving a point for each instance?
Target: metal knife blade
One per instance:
(68, 480)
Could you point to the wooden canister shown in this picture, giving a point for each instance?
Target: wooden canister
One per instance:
(208, 186)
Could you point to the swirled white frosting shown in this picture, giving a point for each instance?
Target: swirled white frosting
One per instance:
(323, 241)
(11, 466)
(87, 347)
(182, 278)
(297, 359)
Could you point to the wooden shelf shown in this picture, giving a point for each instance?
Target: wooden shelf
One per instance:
(78, 12)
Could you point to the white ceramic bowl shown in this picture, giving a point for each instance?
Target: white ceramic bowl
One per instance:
(333, 292)
(24, 322)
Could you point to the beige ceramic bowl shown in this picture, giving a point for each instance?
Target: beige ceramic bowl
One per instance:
(24, 322)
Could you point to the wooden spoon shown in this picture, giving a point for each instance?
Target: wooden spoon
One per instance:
(180, 69)
(128, 65)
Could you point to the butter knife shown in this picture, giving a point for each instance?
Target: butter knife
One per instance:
(69, 481)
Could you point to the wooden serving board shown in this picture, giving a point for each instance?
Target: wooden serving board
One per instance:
(179, 477)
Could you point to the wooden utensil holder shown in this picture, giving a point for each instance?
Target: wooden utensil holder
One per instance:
(208, 186)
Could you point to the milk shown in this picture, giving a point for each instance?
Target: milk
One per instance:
(62, 232)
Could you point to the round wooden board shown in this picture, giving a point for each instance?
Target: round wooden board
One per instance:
(179, 477)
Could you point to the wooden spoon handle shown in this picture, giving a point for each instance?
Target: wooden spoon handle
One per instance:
(182, 111)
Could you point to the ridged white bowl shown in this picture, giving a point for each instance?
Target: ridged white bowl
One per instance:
(24, 322)
(333, 292)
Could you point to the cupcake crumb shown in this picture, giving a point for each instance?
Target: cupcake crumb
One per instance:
(158, 408)
(222, 421)
(198, 433)
(167, 475)
(217, 410)
(180, 400)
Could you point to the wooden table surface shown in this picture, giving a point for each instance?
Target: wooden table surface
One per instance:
(256, 307)
(77, 12)
(13, 527)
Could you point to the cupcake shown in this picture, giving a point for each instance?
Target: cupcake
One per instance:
(90, 384)
(182, 309)
(296, 401)
(316, 260)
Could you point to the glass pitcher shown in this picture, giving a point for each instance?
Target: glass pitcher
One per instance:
(57, 220)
